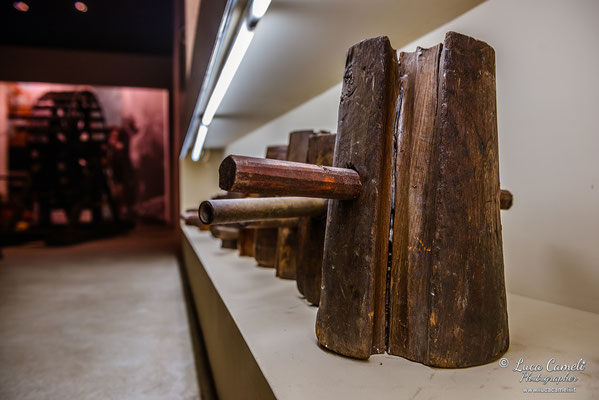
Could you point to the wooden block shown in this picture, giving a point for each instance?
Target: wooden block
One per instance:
(265, 240)
(419, 72)
(229, 244)
(351, 317)
(297, 150)
(311, 230)
(448, 302)
(287, 239)
(286, 252)
(278, 152)
(225, 232)
(245, 243)
(265, 247)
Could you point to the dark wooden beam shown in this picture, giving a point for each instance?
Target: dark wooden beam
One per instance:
(351, 317)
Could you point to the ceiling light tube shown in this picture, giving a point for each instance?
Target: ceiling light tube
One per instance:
(240, 46)
(199, 144)
(259, 8)
(235, 56)
(219, 47)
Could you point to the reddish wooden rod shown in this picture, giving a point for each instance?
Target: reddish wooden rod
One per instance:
(286, 178)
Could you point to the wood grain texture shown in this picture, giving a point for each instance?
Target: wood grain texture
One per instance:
(265, 240)
(311, 230)
(414, 175)
(447, 291)
(351, 316)
(287, 239)
(469, 307)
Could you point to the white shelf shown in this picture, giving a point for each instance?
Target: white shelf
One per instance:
(261, 342)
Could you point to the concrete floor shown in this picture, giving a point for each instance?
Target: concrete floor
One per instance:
(100, 320)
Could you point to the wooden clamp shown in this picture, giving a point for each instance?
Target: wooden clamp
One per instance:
(412, 261)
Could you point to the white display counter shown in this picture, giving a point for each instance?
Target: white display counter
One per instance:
(259, 334)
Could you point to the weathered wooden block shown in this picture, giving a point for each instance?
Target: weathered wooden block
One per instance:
(447, 297)
(265, 240)
(351, 316)
(245, 243)
(287, 237)
(311, 230)
(227, 234)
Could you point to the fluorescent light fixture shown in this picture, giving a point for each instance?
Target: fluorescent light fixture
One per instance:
(240, 46)
(259, 8)
(199, 144)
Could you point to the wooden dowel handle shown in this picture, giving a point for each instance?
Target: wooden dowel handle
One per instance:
(505, 200)
(286, 178)
(227, 211)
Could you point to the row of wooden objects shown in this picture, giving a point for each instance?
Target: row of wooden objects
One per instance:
(409, 258)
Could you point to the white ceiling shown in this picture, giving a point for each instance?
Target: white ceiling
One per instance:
(299, 50)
